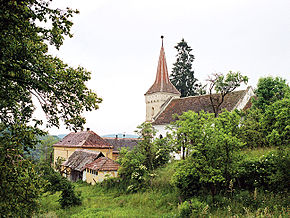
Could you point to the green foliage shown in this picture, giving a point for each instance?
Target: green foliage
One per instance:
(20, 185)
(213, 151)
(276, 121)
(56, 182)
(43, 150)
(188, 130)
(186, 177)
(182, 76)
(138, 164)
(270, 172)
(184, 209)
(192, 208)
(267, 122)
(163, 202)
(28, 72)
(252, 129)
(223, 85)
(270, 90)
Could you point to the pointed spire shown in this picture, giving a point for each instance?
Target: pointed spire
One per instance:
(162, 82)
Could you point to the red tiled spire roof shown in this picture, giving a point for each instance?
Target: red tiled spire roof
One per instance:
(162, 82)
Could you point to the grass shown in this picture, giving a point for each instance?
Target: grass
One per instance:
(98, 203)
(253, 153)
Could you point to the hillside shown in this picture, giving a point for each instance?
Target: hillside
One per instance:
(162, 200)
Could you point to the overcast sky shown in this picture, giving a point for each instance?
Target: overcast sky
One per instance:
(119, 42)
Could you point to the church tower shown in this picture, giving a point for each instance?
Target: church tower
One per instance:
(162, 89)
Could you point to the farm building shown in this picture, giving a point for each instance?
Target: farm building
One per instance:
(100, 169)
(88, 140)
(73, 167)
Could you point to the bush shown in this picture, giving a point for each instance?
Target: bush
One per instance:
(186, 178)
(270, 172)
(55, 182)
(184, 209)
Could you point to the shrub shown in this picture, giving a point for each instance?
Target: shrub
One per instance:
(184, 209)
(270, 172)
(56, 182)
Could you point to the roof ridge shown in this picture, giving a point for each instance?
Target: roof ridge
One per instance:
(195, 96)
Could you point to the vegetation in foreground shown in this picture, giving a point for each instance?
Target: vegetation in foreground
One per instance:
(162, 200)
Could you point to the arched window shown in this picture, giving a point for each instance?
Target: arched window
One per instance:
(152, 112)
(161, 136)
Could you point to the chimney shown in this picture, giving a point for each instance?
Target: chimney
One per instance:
(116, 137)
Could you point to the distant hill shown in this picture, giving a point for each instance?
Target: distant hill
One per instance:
(61, 136)
(120, 136)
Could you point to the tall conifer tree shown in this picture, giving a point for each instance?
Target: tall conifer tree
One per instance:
(182, 76)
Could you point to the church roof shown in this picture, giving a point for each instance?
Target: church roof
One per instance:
(196, 104)
(162, 82)
(83, 139)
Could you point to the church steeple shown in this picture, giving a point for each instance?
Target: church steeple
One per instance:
(162, 82)
(162, 89)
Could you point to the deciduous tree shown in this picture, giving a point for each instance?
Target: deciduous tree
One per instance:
(223, 85)
(27, 27)
(269, 90)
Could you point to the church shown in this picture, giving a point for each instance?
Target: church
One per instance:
(163, 99)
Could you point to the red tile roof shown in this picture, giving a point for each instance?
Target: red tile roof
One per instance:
(162, 82)
(196, 103)
(80, 158)
(83, 139)
(103, 164)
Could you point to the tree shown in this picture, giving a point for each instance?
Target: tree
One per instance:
(252, 129)
(27, 71)
(213, 153)
(182, 76)
(223, 85)
(138, 164)
(43, 150)
(276, 123)
(269, 90)
(187, 130)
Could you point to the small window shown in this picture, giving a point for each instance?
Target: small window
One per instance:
(161, 136)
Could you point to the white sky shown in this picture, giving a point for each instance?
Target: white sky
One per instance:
(119, 42)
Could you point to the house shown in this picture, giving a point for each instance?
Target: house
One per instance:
(163, 99)
(74, 166)
(81, 140)
(119, 143)
(100, 169)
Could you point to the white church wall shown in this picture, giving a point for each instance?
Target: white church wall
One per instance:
(162, 130)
